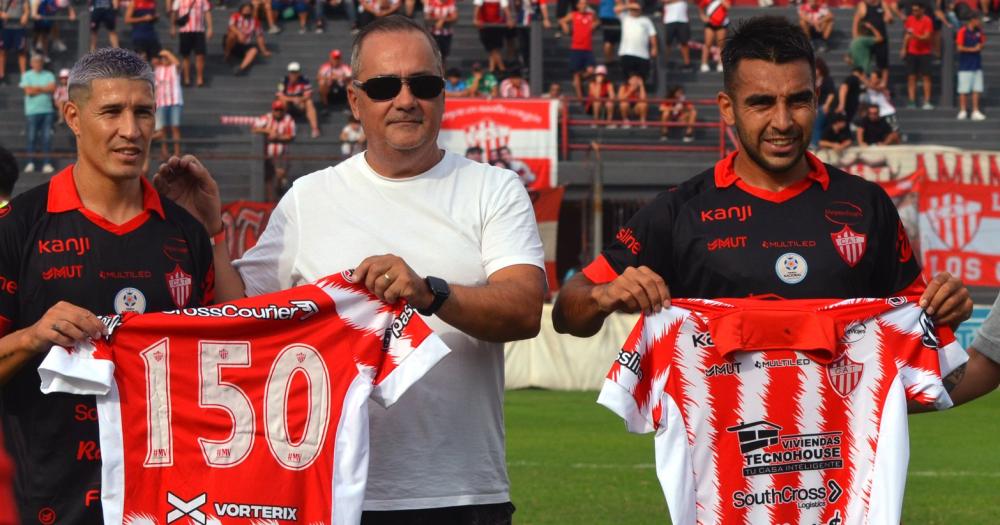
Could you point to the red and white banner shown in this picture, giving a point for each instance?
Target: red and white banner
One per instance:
(547, 203)
(938, 163)
(244, 222)
(528, 129)
(960, 231)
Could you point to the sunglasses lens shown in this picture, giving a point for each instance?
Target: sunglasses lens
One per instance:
(426, 86)
(383, 88)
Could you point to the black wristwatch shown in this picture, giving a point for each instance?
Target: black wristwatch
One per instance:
(439, 287)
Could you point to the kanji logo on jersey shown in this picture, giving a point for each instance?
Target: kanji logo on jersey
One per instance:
(954, 219)
(179, 283)
(850, 245)
(765, 451)
(845, 375)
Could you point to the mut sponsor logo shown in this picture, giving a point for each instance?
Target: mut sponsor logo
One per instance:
(781, 363)
(726, 369)
(627, 237)
(738, 213)
(727, 243)
(77, 245)
(73, 271)
(765, 451)
(8, 286)
(300, 310)
(125, 274)
(843, 213)
(786, 245)
(631, 361)
(88, 451)
(701, 340)
(801, 497)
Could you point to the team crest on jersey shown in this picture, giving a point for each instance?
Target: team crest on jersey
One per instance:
(850, 245)
(845, 375)
(954, 219)
(130, 300)
(791, 268)
(179, 283)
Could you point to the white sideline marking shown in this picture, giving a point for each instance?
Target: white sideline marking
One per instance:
(953, 474)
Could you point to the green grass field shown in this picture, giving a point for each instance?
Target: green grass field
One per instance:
(571, 462)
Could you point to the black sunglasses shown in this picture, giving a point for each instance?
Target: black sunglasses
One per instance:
(387, 87)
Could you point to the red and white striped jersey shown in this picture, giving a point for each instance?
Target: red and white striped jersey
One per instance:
(168, 86)
(197, 9)
(247, 27)
(284, 126)
(340, 73)
(509, 90)
(248, 412)
(781, 411)
(716, 11)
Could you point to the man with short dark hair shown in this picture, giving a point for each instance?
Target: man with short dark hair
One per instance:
(39, 84)
(916, 51)
(95, 239)
(770, 99)
(837, 135)
(195, 32)
(874, 130)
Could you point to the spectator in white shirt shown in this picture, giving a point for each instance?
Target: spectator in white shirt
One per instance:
(514, 86)
(638, 45)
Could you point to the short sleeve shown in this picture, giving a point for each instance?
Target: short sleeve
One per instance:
(85, 369)
(11, 240)
(987, 341)
(510, 232)
(896, 263)
(925, 355)
(636, 383)
(409, 350)
(270, 265)
(645, 240)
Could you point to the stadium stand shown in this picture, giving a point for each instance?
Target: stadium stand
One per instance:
(635, 163)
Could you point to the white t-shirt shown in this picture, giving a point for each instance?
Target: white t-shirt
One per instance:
(636, 32)
(442, 444)
(675, 11)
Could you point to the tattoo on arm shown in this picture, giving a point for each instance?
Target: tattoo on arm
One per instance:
(954, 378)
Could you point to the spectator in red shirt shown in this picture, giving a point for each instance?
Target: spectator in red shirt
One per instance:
(916, 52)
(333, 78)
(601, 96)
(678, 109)
(279, 129)
(195, 33)
(632, 101)
(715, 15)
(514, 86)
(816, 21)
(296, 92)
(439, 16)
(244, 38)
(490, 17)
(581, 48)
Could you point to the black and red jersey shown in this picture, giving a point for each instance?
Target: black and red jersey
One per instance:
(831, 235)
(53, 249)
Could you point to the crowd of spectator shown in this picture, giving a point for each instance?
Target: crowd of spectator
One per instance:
(862, 111)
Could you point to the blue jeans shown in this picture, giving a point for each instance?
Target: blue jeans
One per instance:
(40, 130)
(819, 125)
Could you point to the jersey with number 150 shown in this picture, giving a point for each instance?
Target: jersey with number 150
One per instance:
(248, 412)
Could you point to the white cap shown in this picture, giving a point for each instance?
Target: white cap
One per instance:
(294, 66)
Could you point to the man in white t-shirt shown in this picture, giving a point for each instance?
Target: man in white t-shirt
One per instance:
(676, 29)
(461, 245)
(638, 44)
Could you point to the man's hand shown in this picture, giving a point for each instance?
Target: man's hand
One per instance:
(635, 290)
(185, 181)
(947, 300)
(391, 279)
(64, 325)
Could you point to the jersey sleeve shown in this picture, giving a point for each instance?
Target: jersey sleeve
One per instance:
(10, 243)
(409, 350)
(896, 267)
(925, 357)
(644, 241)
(634, 387)
(84, 369)
(510, 232)
(270, 265)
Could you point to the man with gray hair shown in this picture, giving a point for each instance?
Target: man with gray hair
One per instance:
(95, 239)
(458, 241)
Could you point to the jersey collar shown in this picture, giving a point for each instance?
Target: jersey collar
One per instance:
(63, 196)
(725, 176)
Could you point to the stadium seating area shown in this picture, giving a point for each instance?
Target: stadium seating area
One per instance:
(228, 149)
